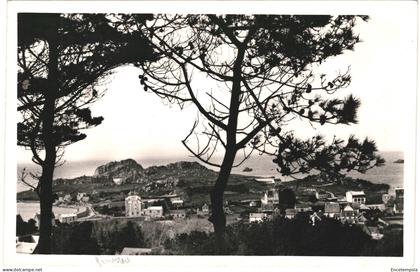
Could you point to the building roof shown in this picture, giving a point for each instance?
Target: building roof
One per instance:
(178, 211)
(348, 208)
(356, 193)
(332, 207)
(67, 215)
(257, 215)
(155, 208)
(133, 196)
(291, 212)
(362, 218)
(364, 207)
(136, 251)
(133, 193)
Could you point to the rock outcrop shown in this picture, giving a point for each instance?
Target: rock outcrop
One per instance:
(120, 172)
(162, 178)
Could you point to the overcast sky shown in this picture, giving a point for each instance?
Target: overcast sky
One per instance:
(139, 125)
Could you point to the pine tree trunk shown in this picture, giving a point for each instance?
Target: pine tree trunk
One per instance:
(46, 201)
(48, 165)
(218, 217)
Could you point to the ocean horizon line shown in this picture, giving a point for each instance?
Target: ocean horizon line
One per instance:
(165, 158)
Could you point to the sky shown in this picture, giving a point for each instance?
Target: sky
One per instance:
(138, 124)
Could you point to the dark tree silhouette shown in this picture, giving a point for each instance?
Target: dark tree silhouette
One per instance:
(260, 74)
(287, 199)
(62, 58)
(24, 228)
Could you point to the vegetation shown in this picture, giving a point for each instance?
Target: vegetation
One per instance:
(296, 237)
(23, 228)
(74, 239)
(281, 236)
(88, 238)
(390, 245)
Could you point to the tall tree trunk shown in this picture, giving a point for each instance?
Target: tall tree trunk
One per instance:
(48, 165)
(46, 201)
(218, 217)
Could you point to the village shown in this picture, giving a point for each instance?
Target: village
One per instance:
(310, 204)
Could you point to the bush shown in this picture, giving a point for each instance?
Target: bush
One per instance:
(23, 228)
(289, 237)
(74, 239)
(89, 238)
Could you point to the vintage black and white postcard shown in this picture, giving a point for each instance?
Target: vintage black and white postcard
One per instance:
(204, 135)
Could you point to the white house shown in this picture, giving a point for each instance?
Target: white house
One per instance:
(154, 211)
(348, 211)
(177, 214)
(67, 218)
(133, 205)
(80, 196)
(270, 197)
(257, 217)
(356, 197)
(117, 181)
(177, 202)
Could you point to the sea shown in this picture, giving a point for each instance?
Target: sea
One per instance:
(27, 210)
(262, 166)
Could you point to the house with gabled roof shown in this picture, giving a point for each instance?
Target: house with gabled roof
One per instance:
(356, 197)
(348, 212)
(332, 209)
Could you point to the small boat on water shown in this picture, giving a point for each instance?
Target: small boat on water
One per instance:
(247, 169)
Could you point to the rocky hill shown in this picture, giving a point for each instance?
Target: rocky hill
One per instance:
(178, 169)
(130, 172)
(121, 172)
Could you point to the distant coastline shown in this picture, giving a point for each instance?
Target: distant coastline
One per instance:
(262, 167)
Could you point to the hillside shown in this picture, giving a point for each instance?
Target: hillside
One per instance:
(191, 180)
